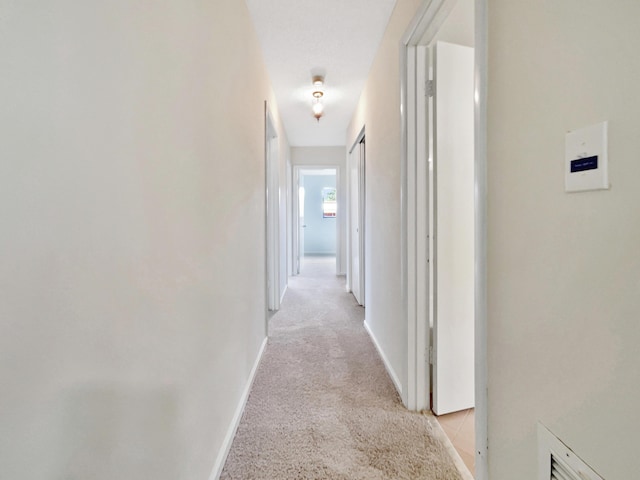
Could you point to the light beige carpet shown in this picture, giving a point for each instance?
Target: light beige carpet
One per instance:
(322, 405)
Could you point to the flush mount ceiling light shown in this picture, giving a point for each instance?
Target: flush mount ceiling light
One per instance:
(317, 106)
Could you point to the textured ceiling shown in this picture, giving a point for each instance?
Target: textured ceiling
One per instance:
(339, 37)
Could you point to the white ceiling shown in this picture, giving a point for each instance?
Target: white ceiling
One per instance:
(340, 37)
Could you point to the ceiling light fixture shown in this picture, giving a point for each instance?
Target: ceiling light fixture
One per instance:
(317, 106)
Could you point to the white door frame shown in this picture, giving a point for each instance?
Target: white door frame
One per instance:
(272, 215)
(361, 217)
(295, 214)
(414, 218)
(289, 212)
(295, 220)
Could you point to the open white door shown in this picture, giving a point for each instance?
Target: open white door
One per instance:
(453, 228)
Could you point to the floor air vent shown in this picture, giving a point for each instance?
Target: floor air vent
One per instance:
(556, 461)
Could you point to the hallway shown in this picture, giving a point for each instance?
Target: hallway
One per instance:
(322, 405)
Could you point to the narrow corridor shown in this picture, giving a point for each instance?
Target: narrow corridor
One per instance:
(322, 405)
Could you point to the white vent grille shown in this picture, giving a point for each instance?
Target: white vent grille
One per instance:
(556, 461)
(559, 471)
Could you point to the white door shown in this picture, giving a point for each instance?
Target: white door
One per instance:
(301, 225)
(453, 228)
(356, 221)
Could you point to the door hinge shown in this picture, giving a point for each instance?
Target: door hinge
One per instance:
(430, 88)
(430, 355)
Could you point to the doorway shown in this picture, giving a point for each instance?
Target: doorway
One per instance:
(442, 246)
(272, 215)
(356, 220)
(451, 234)
(315, 215)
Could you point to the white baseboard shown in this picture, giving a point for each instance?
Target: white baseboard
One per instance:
(385, 360)
(231, 433)
(283, 292)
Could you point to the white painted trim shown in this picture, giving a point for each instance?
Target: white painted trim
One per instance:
(289, 211)
(286, 287)
(295, 219)
(385, 360)
(409, 214)
(272, 215)
(404, 145)
(415, 228)
(482, 392)
(427, 21)
(233, 427)
(421, 228)
(357, 141)
(266, 216)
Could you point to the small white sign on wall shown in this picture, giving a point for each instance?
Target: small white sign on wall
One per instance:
(586, 164)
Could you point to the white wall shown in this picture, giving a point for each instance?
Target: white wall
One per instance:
(379, 111)
(564, 269)
(132, 299)
(330, 156)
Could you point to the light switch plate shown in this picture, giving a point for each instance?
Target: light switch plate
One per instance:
(586, 164)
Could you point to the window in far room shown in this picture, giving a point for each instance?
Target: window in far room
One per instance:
(329, 205)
